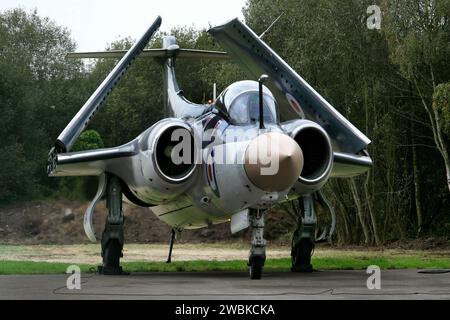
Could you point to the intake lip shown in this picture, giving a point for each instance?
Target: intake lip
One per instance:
(164, 165)
(317, 152)
(261, 156)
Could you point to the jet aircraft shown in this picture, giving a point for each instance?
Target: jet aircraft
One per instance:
(265, 140)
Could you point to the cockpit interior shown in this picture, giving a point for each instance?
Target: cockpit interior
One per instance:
(241, 103)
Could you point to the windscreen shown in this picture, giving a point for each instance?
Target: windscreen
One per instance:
(244, 109)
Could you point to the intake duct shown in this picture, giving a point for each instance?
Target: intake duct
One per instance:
(170, 158)
(317, 154)
(162, 170)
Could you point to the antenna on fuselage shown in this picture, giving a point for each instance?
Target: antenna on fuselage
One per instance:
(214, 92)
(261, 81)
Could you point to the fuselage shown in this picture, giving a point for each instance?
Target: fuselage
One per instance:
(223, 180)
(220, 184)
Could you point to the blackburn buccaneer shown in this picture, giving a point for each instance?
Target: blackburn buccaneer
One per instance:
(265, 140)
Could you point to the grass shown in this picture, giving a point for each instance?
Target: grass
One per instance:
(32, 267)
(322, 263)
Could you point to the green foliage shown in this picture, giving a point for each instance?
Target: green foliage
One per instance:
(36, 95)
(441, 103)
(84, 188)
(370, 77)
(76, 188)
(88, 140)
(16, 173)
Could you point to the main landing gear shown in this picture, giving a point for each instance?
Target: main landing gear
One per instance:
(302, 242)
(305, 237)
(112, 237)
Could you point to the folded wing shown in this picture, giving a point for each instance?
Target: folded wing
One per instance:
(296, 98)
(349, 165)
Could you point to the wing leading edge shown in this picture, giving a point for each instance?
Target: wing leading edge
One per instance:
(92, 162)
(295, 96)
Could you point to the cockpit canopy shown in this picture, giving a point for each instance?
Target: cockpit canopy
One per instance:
(241, 102)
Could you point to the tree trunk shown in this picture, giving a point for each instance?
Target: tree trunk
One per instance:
(359, 210)
(367, 181)
(416, 180)
(369, 206)
(435, 122)
(443, 147)
(341, 212)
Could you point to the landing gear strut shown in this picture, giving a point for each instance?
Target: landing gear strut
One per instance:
(172, 239)
(304, 237)
(112, 237)
(257, 255)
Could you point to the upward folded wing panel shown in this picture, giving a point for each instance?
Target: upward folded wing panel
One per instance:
(296, 98)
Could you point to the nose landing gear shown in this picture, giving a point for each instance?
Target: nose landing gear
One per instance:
(257, 255)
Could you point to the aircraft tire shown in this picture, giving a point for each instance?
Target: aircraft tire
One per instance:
(301, 260)
(113, 252)
(255, 269)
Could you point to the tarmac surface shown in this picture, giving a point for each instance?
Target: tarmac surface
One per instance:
(342, 284)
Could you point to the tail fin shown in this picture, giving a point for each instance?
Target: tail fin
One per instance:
(175, 104)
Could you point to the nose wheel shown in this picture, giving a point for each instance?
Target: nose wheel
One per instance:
(255, 267)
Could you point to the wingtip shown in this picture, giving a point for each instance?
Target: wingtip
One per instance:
(223, 24)
(158, 19)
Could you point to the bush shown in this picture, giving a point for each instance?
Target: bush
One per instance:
(88, 140)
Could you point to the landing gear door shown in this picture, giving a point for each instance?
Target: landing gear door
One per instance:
(239, 221)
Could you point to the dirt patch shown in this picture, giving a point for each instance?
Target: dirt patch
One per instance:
(429, 243)
(47, 223)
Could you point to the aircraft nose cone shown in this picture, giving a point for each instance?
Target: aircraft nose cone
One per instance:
(273, 162)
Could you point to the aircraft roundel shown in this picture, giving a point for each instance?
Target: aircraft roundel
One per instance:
(295, 105)
(211, 174)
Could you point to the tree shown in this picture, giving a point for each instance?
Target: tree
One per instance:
(329, 44)
(34, 86)
(419, 36)
(441, 112)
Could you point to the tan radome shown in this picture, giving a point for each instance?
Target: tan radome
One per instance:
(263, 152)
